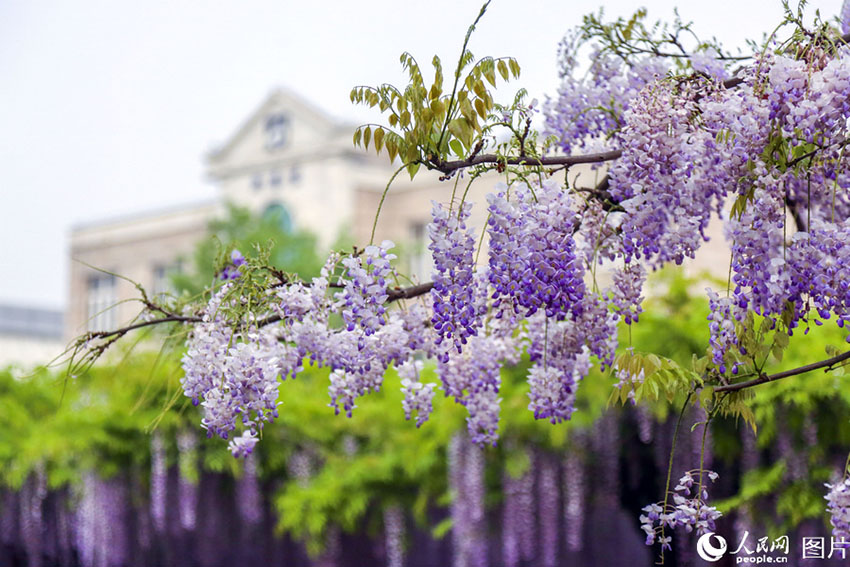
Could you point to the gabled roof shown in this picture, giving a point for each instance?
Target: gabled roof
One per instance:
(278, 98)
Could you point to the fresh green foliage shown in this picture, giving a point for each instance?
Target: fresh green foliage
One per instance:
(427, 124)
(255, 237)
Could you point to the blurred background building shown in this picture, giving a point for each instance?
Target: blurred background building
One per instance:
(289, 160)
(30, 335)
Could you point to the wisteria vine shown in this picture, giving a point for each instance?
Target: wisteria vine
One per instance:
(686, 138)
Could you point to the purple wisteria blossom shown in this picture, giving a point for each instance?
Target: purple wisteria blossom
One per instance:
(561, 351)
(844, 17)
(709, 63)
(418, 396)
(722, 327)
(243, 445)
(838, 506)
(687, 510)
(235, 374)
(367, 276)
(591, 108)
(231, 271)
(206, 349)
(452, 246)
(666, 178)
(473, 378)
(533, 261)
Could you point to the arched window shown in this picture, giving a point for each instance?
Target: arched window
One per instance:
(277, 213)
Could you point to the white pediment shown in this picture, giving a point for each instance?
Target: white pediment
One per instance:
(284, 126)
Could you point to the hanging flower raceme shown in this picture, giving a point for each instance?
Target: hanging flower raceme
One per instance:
(708, 62)
(820, 270)
(838, 499)
(666, 179)
(561, 359)
(248, 393)
(234, 375)
(473, 378)
(533, 259)
(722, 328)
(206, 347)
(452, 246)
(366, 280)
(687, 510)
(359, 361)
(418, 395)
(626, 292)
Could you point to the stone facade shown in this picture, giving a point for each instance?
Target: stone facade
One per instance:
(144, 249)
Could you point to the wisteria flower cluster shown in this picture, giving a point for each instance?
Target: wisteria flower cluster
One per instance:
(418, 395)
(367, 276)
(665, 181)
(838, 506)
(233, 376)
(722, 327)
(590, 108)
(687, 510)
(452, 247)
(473, 378)
(533, 259)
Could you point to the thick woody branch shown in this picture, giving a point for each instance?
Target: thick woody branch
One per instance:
(394, 294)
(448, 167)
(827, 364)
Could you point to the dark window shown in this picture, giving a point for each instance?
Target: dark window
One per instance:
(100, 300)
(277, 131)
(162, 277)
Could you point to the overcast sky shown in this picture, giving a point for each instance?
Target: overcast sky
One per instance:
(107, 108)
